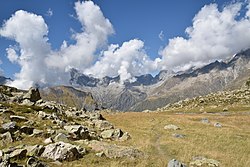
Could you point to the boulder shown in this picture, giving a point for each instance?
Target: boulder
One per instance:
(77, 131)
(61, 137)
(61, 151)
(33, 95)
(202, 161)
(10, 126)
(27, 102)
(35, 150)
(112, 134)
(125, 136)
(217, 125)
(27, 130)
(18, 153)
(37, 132)
(171, 127)
(48, 140)
(17, 118)
(6, 138)
(175, 163)
(205, 121)
(33, 162)
(114, 151)
(103, 125)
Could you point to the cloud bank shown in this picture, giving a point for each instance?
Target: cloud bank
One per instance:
(214, 34)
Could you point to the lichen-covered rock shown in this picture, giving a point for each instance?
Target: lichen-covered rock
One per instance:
(33, 162)
(33, 95)
(61, 151)
(175, 163)
(77, 131)
(202, 161)
(171, 127)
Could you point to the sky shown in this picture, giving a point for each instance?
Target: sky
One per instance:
(40, 41)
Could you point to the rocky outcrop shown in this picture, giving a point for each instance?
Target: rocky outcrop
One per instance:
(61, 151)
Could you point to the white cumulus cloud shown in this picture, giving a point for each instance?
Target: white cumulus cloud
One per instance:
(128, 60)
(214, 35)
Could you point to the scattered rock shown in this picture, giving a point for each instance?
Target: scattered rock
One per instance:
(35, 150)
(178, 135)
(18, 153)
(37, 132)
(100, 154)
(33, 162)
(27, 102)
(125, 136)
(33, 95)
(225, 109)
(6, 138)
(27, 130)
(61, 137)
(11, 126)
(114, 151)
(217, 125)
(205, 121)
(103, 125)
(202, 161)
(112, 134)
(61, 151)
(171, 127)
(77, 131)
(17, 118)
(48, 141)
(175, 163)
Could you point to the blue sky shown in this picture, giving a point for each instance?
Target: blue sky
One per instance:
(148, 35)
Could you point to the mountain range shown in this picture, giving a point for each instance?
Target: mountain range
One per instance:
(149, 92)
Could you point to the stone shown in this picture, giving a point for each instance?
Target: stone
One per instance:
(48, 140)
(112, 134)
(205, 121)
(33, 162)
(6, 138)
(171, 127)
(11, 126)
(217, 125)
(1, 155)
(103, 125)
(77, 131)
(61, 151)
(175, 163)
(35, 150)
(27, 102)
(114, 151)
(95, 116)
(202, 161)
(27, 130)
(107, 134)
(33, 95)
(37, 132)
(61, 137)
(100, 154)
(7, 163)
(17, 118)
(18, 153)
(126, 136)
(178, 135)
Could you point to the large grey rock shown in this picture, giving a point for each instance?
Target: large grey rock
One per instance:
(202, 161)
(33, 95)
(61, 151)
(27, 130)
(6, 138)
(103, 125)
(175, 163)
(77, 131)
(61, 137)
(114, 151)
(18, 153)
(35, 150)
(112, 134)
(33, 162)
(18, 118)
(10, 126)
(37, 132)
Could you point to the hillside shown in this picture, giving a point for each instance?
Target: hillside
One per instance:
(210, 130)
